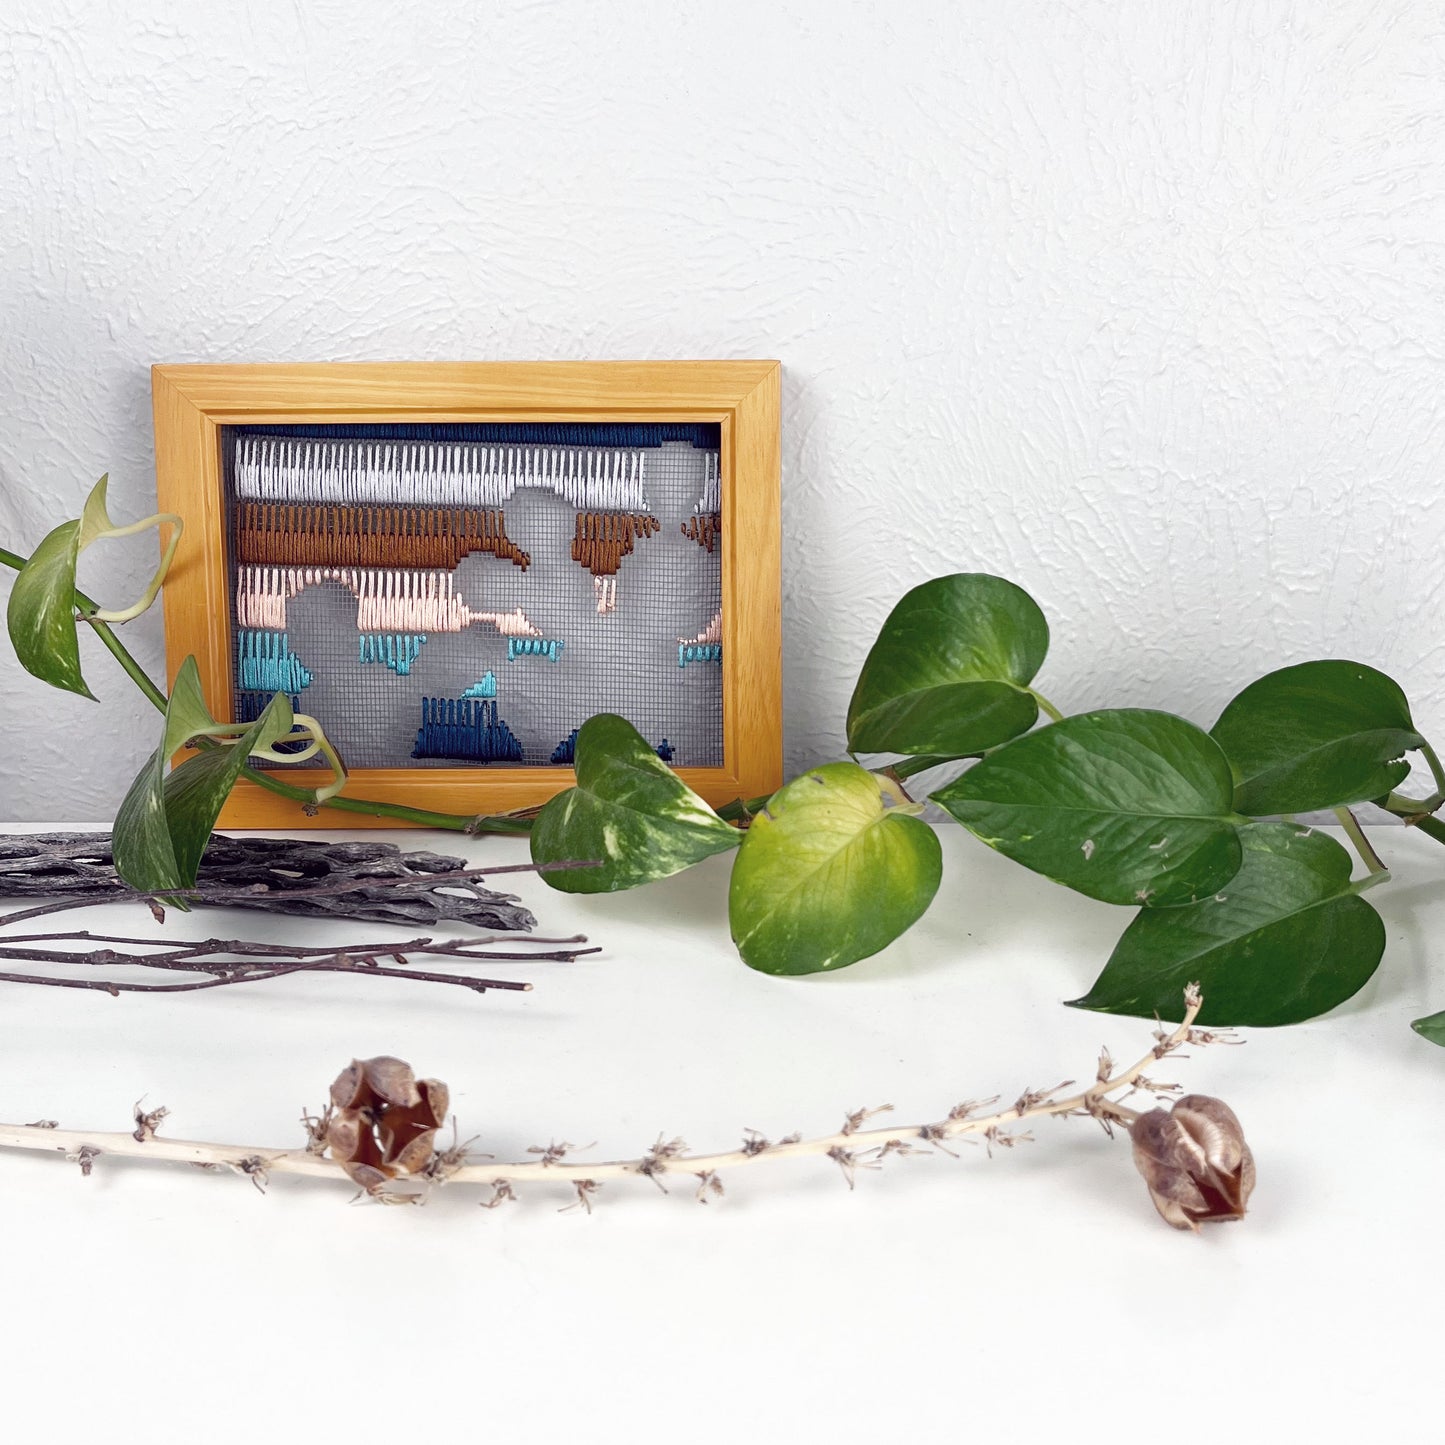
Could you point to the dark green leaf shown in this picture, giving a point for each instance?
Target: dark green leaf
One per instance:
(1126, 805)
(41, 613)
(1432, 1028)
(950, 670)
(629, 812)
(164, 821)
(1316, 736)
(830, 871)
(1287, 939)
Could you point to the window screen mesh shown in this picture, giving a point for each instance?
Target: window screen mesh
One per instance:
(442, 596)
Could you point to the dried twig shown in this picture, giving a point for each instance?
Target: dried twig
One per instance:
(237, 960)
(852, 1147)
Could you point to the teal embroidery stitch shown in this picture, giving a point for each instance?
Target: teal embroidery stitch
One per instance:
(265, 663)
(398, 650)
(698, 652)
(547, 647)
(486, 687)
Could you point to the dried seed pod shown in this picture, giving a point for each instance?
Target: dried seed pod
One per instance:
(1195, 1161)
(385, 1120)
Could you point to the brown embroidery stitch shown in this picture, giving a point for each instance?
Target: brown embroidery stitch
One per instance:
(285, 534)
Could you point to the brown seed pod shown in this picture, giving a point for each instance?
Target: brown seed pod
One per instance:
(384, 1120)
(1195, 1161)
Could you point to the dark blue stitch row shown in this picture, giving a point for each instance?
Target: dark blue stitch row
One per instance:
(706, 436)
(464, 728)
(566, 750)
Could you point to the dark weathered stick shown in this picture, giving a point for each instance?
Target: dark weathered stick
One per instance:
(234, 961)
(250, 895)
(73, 865)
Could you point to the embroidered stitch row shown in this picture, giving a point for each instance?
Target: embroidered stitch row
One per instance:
(698, 652)
(601, 540)
(388, 600)
(280, 469)
(463, 728)
(486, 686)
(566, 751)
(546, 647)
(248, 705)
(265, 663)
(271, 532)
(397, 650)
(705, 529)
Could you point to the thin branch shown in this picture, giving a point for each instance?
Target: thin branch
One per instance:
(851, 1146)
(232, 961)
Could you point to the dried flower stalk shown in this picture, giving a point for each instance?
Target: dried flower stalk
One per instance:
(852, 1148)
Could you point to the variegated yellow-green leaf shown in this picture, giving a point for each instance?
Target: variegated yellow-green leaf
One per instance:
(630, 814)
(833, 869)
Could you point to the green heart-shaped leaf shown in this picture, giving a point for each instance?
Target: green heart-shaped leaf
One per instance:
(1432, 1028)
(1316, 736)
(950, 670)
(629, 812)
(165, 820)
(833, 869)
(1126, 805)
(1287, 939)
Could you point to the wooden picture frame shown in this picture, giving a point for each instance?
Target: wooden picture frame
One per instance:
(194, 404)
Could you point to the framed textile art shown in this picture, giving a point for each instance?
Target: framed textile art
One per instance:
(453, 566)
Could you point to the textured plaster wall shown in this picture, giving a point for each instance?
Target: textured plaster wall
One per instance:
(1138, 303)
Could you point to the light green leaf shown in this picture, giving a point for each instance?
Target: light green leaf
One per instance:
(1126, 805)
(1432, 1028)
(630, 813)
(833, 869)
(950, 670)
(41, 613)
(1287, 939)
(165, 820)
(1318, 735)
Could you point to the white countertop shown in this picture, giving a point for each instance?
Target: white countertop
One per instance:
(1032, 1297)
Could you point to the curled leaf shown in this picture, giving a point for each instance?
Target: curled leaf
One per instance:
(41, 615)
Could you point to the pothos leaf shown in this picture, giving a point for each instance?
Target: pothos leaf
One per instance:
(950, 670)
(1432, 1028)
(1287, 939)
(1126, 805)
(165, 819)
(832, 870)
(41, 616)
(1316, 736)
(629, 813)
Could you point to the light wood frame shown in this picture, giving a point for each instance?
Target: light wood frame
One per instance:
(193, 403)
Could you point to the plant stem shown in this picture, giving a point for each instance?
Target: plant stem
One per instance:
(1436, 770)
(1054, 714)
(908, 767)
(1356, 835)
(417, 817)
(1431, 827)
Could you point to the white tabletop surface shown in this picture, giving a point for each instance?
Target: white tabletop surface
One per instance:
(1030, 1297)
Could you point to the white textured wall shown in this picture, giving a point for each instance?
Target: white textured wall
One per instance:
(1138, 303)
